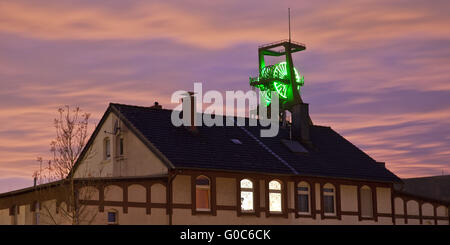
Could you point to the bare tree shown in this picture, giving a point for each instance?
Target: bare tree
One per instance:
(71, 137)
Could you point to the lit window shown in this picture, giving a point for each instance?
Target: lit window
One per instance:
(275, 196)
(366, 202)
(107, 150)
(202, 197)
(329, 199)
(303, 197)
(112, 217)
(247, 195)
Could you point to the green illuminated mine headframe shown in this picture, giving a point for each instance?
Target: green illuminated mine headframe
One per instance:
(282, 78)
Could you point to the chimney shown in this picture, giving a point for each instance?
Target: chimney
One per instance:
(156, 106)
(189, 106)
(301, 123)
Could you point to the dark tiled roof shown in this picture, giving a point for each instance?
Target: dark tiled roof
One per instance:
(212, 148)
(433, 187)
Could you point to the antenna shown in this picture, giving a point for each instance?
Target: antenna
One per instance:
(289, 21)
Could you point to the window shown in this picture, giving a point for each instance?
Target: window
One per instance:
(107, 150)
(36, 213)
(202, 193)
(366, 202)
(275, 196)
(303, 198)
(329, 200)
(121, 146)
(112, 217)
(247, 195)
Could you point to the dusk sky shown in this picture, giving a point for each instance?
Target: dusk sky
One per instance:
(377, 72)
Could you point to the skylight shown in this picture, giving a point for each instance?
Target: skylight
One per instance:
(236, 141)
(294, 146)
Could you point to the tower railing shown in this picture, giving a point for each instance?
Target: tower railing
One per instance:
(280, 42)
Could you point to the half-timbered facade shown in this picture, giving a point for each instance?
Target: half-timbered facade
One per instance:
(147, 171)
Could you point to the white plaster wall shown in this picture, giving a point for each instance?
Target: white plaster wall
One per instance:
(412, 207)
(442, 211)
(158, 192)
(384, 200)
(349, 198)
(113, 193)
(5, 219)
(427, 209)
(398, 204)
(137, 193)
(88, 193)
(226, 191)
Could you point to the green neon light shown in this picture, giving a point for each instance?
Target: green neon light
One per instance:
(275, 78)
(281, 89)
(267, 96)
(281, 72)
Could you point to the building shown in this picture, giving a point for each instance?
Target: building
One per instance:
(433, 187)
(147, 171)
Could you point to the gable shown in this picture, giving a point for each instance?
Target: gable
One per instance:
(137, 159)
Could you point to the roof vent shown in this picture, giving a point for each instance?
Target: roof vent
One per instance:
(294, 146)
(189, 111)
(156, 106)
(236, 141)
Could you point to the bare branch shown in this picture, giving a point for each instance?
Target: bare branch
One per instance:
(71, 133)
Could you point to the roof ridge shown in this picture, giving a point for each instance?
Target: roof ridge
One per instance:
(138, 106)
(321, 126)
(428, 177)
(203, 113)
(354, 146)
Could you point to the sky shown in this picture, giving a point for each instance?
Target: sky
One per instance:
(377, 72)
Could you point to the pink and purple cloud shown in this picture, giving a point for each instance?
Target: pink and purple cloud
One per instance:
(376, 71)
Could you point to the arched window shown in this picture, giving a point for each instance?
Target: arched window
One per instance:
(202, 193)
(275, 196)
(303, 198)
(366, 202)
(247, 195)
(113, 217)
(107, 148)
(329, 199)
